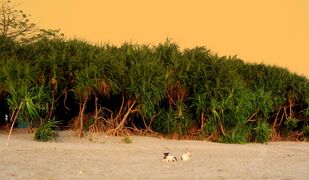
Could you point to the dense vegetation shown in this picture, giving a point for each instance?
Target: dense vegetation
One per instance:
(143, 89)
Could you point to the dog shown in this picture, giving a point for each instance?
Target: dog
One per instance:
(168, 158)
(186, 156)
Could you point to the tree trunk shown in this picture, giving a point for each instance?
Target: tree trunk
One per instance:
(276, 119)
(202, 121)
(81, 117)
(124, 118)
(120, 110)
(14, 117)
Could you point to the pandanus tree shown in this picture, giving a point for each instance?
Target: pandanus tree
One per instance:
(85, 86)
(176, 67)
(24, 96)
(176, 117)
(286, 90)
(216, 95)
(199, 84)
(95, 78)
(85, 82)
(48, 56)
(108, 71)
(143, 86)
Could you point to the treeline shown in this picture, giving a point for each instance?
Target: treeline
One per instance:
(145, 89)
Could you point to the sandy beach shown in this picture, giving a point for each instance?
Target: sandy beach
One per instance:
(97, 156)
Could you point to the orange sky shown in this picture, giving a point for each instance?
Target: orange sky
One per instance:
(268, 31)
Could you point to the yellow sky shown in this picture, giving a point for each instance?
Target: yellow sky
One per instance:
(268, 31)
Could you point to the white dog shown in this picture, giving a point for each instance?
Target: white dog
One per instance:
(169, 158)
(186, 156)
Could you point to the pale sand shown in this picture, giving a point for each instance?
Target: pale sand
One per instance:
(103, 157)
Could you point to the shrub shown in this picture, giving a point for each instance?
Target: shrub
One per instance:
(261, 133)
(290, 123)
(46, 131)
(288, 126)
(170, 122)
(238, 135)
(126, 140)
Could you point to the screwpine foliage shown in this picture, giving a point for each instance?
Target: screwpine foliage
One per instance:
(46, 131)
(261, 133)
(193, 92)
(171, 121)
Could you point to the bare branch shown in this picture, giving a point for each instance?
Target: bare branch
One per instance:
(15, 24)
